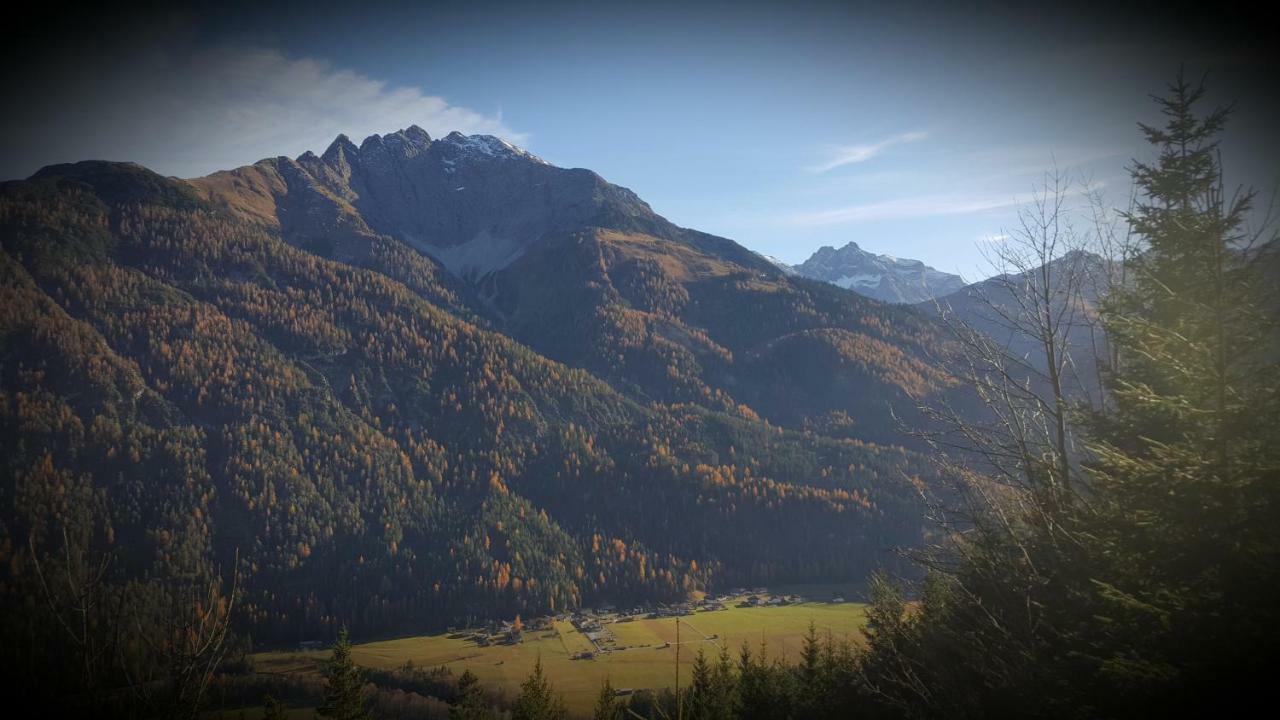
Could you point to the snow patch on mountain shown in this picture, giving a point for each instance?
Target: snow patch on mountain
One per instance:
(849, 282)
(883, 277)
(488, 146)
(778, 264)
(477, 257)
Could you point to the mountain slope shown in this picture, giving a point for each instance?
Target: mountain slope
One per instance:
(587, 274)
(998, 305)
(370, 455)
(882, 277)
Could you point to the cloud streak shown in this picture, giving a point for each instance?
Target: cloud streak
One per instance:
(930, 206)
(912, 207)
(842, 155)
(190, 113)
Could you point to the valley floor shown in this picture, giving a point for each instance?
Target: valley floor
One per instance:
(633, 651)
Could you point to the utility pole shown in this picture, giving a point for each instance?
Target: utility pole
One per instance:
(679, 700)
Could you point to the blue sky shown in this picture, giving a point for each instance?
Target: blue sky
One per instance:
(913, 132)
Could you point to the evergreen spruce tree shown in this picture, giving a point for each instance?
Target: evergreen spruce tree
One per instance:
(343, 684)
(812, 690)
(724, 689)
(764, 688)
(698, 698)
(1188, 476)
(469, 703)
(537, 700)
(1149, 588)
(608, 706)
(751, 684)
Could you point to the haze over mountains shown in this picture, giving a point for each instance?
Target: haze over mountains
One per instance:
(414, 379)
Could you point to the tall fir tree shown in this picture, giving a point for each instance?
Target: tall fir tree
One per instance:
(765, 689)
(1187, 481)
(812, 688)
(608, 707)
(538, 699)
(1150, 591)
(698, 702)
(469, 702)
(343, 684)
(724, 688)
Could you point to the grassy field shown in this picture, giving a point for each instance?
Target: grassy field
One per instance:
(645, 654)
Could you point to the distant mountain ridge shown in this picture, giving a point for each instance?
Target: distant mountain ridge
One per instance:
(990, 306)
(883, 277)
(475, 203)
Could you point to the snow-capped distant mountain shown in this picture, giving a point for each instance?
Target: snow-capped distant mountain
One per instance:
(882, 277)
(785, 268)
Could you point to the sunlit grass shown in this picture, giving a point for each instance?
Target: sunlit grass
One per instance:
(646, 657)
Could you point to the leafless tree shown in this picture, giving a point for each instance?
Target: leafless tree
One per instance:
(156, 641)
(185, 623)
(81, 602)
(1025, 348)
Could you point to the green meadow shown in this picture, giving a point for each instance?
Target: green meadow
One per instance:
(642, 655)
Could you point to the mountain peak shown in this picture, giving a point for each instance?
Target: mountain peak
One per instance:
(413, 140)
(882, 277)
(341, 146)
(417, 135)
(848, 249)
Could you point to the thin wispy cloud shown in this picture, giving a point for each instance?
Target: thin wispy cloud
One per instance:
(1035, 160)
(924, 206)
(189, 113)
(842, 155)
(912, 207)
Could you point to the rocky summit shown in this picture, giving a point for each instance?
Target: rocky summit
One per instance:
(883, 277)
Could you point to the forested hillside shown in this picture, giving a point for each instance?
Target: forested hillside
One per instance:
(183, 388)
